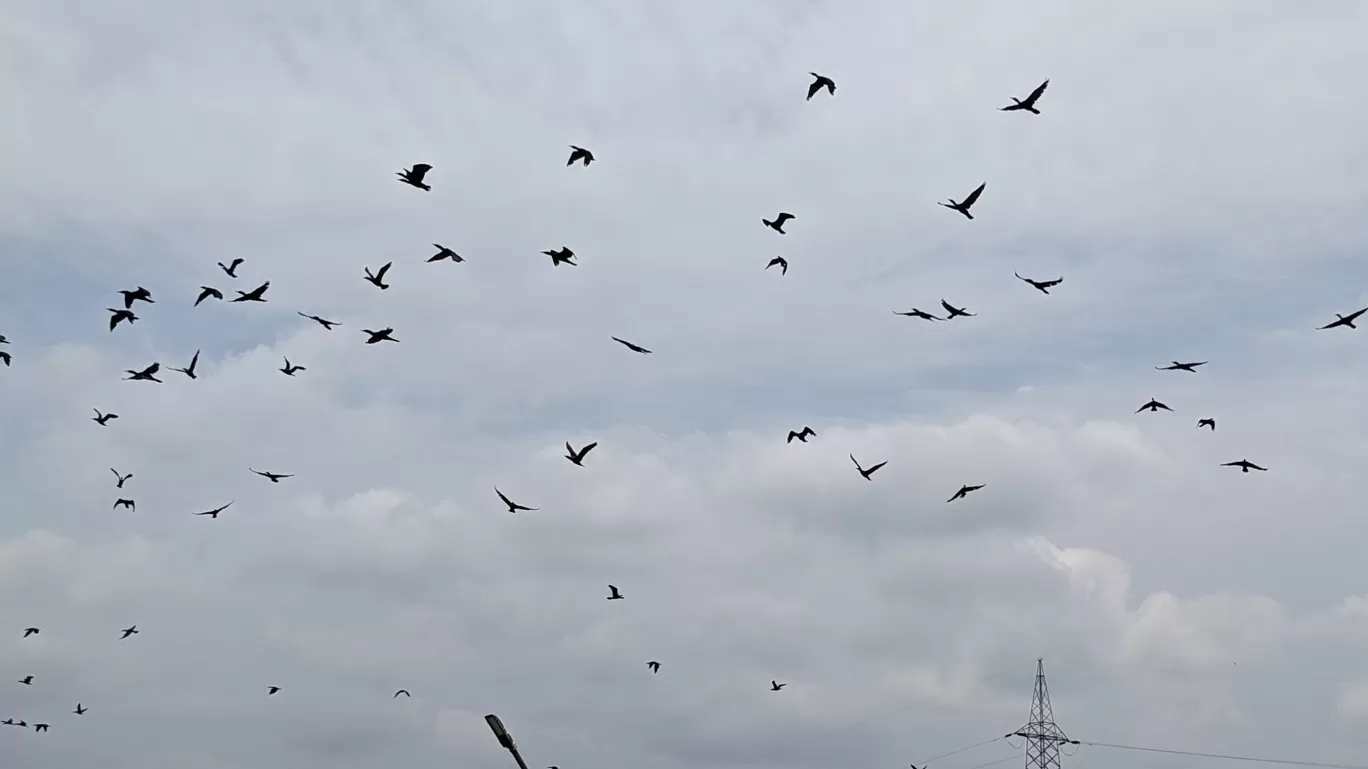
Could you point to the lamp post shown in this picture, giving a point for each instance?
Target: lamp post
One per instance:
(505, 739)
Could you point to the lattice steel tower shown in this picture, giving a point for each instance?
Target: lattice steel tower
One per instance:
(1042, 736)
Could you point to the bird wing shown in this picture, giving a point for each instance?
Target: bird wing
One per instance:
(974, 196)
(1049, 283)
(947, 306)
(195, 359)
(783, 217)
(505, 499)
(381, 274)
(857, 463)
(814, 88)
(419, 171)
(1040, 89)
(876, 467)
(588, 448)
(1354, 315)
(150, 370)
(1028, 280)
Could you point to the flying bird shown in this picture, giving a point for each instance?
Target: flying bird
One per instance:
(968, 202)
(915, 313)
(3, 340)
(822, 81)
(190, 370)
(776, 686)
(6, 357)
(579, 153)
(1153, 406)
(138, 294)
(445, 253)
(778, 224)
(632, 347)
(255, 295)
(564, 254)
(1043, 286)
(128, 503)
(102, 419)
(328, 324)
(414, 176)
(1245, 465)
(272, 477)
(8, 722)
(614, 594)
(206, 292)
(864, 472)
(404, 692)
(654, 666)
(26, 680)
(128, 631)
(121, 478)
(80, 711)
(120, 316)
(801, 435)
(1207, 423)
(148, 374)
(964, 492)
(289, 370)
(781, 261)
(28, 631)
(1344, 320)
(513, 507)
(40, 727)
(383, 335)
(1182, 366)
(272, 690)
(956, 312)
(1028, 103)
(231, 268)
(577, 457)
(215, 512)
(378, 279)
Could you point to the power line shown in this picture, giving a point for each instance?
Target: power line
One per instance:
(961, 750)
(1255, 759)
(1000, 760)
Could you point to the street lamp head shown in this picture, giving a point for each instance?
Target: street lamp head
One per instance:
(496, 726)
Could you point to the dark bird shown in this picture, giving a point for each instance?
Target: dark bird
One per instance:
(1153, 406)
(190, 370)
(215, 512)
(404, 692)
(28, 631)
(121, 478)
(1207, 423)
(231, 268)
(964, 492)
(1245, 465)
(801, 435)
(579, 153)
(1043, 286)
(128, 631)
(26, 680)
(40, 727)
(778, 224)
(1182, 366)
(102, 419)
(445, 253)
(968, 202)
(1028, 103)
(654, 666)
(80, 711)
(1344, 320)
(328, 324)
(781, 261)
(821, 82)
(119, 316)
(915, 313)
(564, 254)
(272, 690)
(956, 312)
(3, 340)
(614, 594)
(776, 686)
(632, 347)
(8, 722)
(272, 477)
(128, 503)
(513, 507)
(289, 370)
(577, 457)
(378, 279)
(864, 472)
(148, 374)
(383, 335)
(4, 356)
(206, 292)
(255, 295)
(414, 176)
(137, 294)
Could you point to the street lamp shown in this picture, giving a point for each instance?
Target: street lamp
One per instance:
(505, 739)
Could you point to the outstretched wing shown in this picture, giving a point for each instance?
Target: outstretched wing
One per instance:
(381, 274)
(947, 307)
(974, 196)
(1040, 89)
(588, 449)
(419, 171)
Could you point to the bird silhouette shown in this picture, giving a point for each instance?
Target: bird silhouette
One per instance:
(414, 176)
(444, 253)
(577, 457)
(255, 295)
(956, 312)
(6, 357)
(863, 471)
(128, 503)
(1153, 406)
(964, 492)
(206, 292)
(614, 594)
(915, 313)
(383, 335)
(801, 435)
(1192, 367)
(121, 478)
(28, 631)
(327, 324)
(102, 419)
(513, 507)
(563, 254)
(40, 727)
(272, 690)
(378, 279)
(1043, 286)
(272, 477)
(1344, 320)
(1207, 423)
(80, 710)
(8, 722)
(3, 340)
(138, 294)
(215, 512)
(1245, 466)
(963, 207)
(632, 347)
(1027, 104)
(231, 268)
(778, 224)
(819, 83)
(404, 692)
(289, 370)
(190, 370)
(26, 680)
(119, 316)
(579, 153)
(128, 631)
(776, 686)
(654, 666)
(781, 261)
(148, 374)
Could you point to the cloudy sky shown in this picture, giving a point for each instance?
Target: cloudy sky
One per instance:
(1198, 176)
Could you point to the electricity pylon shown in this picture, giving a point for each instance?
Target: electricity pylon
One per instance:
(1042, 736)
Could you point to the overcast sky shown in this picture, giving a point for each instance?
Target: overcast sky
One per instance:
(1198, 176)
